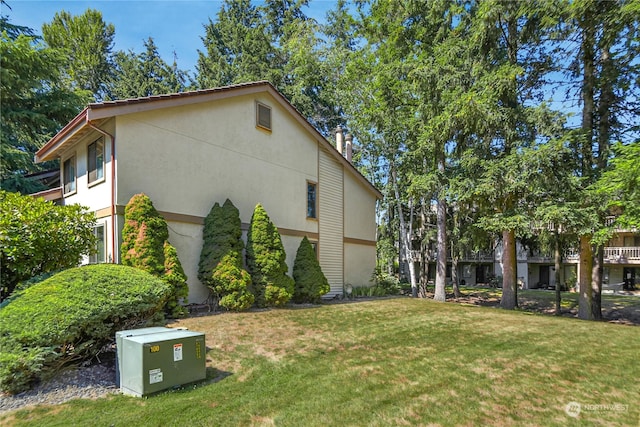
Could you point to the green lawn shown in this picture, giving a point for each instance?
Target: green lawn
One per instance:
(615, 308)
(388, 362)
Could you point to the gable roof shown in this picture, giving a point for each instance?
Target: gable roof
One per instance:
(96, 113)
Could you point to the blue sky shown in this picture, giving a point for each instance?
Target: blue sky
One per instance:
(175, 25)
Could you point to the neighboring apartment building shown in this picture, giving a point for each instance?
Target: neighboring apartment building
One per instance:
(189, 150)
(534, 271)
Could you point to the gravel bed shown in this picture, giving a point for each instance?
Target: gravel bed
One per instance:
(89, 382)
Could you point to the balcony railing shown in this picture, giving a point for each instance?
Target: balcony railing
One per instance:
(468, 257)
(622, 253)
(612, 254)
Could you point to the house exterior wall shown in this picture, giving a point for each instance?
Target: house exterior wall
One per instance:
(359, 263)
(330, 220)
(189, 151)
(359, 234)
(95, 196)
(188, 158)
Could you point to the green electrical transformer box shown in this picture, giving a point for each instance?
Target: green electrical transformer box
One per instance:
(155, 359)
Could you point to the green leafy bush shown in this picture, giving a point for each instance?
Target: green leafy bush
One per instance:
(37, 237)
(71, 316)
(221, 235)
(310, 282)
(230, 283)
(266, 262)
(389, 284)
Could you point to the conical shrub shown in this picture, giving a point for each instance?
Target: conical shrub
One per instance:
(310, 281)
(222, 234)
(266, 262)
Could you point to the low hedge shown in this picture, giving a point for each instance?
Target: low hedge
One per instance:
(71, 316)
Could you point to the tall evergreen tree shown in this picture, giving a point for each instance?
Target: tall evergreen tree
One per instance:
(605, 69)
(34, 103)
(145, 74)
(508, 35)
(237, 47)
(86, 41)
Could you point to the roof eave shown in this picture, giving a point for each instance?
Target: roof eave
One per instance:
(50, 149)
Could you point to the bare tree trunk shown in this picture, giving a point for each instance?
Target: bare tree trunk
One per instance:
(596, 283)
(424, 270)
(509, 299)
(454, 256)
(405, 234)
(557, 260)
(441, 224)
(454, 275)
(584, 281)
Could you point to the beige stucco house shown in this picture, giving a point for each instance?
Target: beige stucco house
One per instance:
(189, 150)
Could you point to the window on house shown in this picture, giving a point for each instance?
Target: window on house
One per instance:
(95, 155)
(263, 116)
(311, 199)
(100, 252)
(314, 245)
(69, 175)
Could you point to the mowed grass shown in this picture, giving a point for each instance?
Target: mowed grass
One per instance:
(388, 362)
(615, 308)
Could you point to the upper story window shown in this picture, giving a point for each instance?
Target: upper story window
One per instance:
(69, 175)
(95, 159)
(311, 199)
(263, 116)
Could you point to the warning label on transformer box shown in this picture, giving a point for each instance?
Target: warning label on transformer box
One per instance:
(177, 352)
(155, 376)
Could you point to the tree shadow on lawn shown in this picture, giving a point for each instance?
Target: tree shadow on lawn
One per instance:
(620, 309)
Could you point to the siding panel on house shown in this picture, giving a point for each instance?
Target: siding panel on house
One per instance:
(330, 222)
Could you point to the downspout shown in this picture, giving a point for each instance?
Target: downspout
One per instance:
(113, 187)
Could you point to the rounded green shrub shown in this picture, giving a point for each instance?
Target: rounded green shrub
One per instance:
(71, 316)
(230, 283)
(310, 281)
(266, 262)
